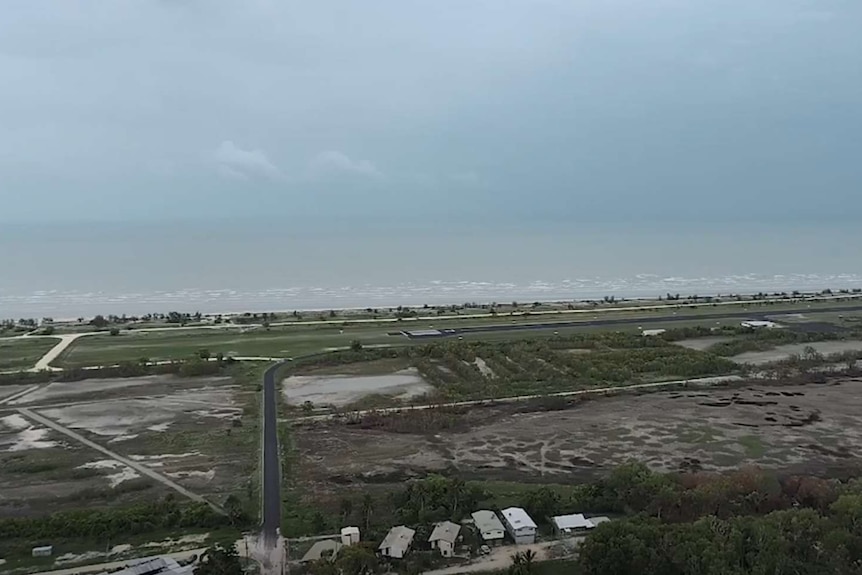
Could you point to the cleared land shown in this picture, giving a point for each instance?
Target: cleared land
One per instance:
(23, 353)
(341, 390)
(785, 351)
(810, 428)
(199, 432)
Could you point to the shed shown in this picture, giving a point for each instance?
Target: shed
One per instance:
(44, 551)
(326, 548)
(566, 524)
(489, 526)
(397, 542)
(350, 535)
(520, 525)
(444, 537)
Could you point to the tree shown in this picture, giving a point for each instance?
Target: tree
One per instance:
(99, 322)
(356, 345)
(219, 560)
(358, 560)
(522, 562)
(115, 331)
(367, 510)
(345, 509)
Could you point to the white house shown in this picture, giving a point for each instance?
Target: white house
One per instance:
(489, 526)
(444, 537)
(567, 524)
(520, 526)
(397, 542)
(349, 536)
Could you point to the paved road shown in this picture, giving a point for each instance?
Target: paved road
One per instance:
(271, 511)
(749, 314)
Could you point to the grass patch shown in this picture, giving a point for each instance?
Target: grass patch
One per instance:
(23, 353)
(753, 446)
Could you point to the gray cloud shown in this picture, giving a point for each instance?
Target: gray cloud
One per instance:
(235, 162)
(621, 109)
(335, 162)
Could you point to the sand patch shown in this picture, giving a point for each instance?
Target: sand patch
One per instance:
(147, 458)
(484, 369)
(125, 472)
(77, 558)
(206, 475)
(785, 351)
(341, 390)
(702, 343)
(24, 435)
(15, 422)
(120, 438)
(123, 417)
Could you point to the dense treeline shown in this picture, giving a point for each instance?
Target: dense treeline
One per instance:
(796, 541)
(113, 522)
(744, 522)
(192, 367)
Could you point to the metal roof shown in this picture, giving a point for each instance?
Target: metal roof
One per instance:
(399, 537)
(574, 521)
(487, 521)
(518, 518)
(445, 531)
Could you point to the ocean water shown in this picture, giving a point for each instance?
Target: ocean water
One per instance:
(71, 270)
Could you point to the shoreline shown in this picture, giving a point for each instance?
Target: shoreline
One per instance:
(557, 306)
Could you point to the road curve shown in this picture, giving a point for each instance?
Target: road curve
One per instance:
(271, 473)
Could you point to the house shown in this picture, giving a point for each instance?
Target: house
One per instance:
(350, 536)
(568, 524)
(489, 526)
(397, 542)
(520, 526)
(327, 548)
(444, 537)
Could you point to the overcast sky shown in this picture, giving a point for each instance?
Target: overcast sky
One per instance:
(545, 109)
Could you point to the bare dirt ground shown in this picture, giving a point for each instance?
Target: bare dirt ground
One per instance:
(795, 427)
(702, 343)
(341, 390)
(785, 351)
(194, 431)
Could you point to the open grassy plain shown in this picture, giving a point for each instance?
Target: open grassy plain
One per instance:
(23, 352)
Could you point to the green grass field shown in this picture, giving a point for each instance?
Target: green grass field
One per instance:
(168, 345)
(23, 353)
(297, 340)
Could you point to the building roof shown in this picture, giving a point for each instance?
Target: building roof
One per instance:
(322, 548)
(759, 323)
(349, 530)
(574, 521)
(487, 521)
(518, 518)
(399, 537)
(445, 531)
